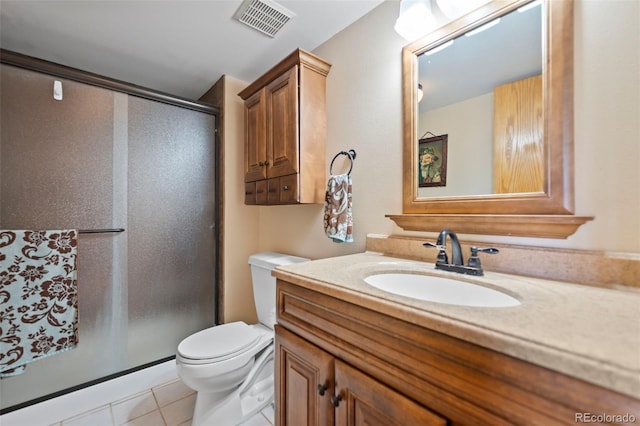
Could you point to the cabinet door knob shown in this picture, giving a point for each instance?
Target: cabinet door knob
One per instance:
(261, 163)
(285, 188)
(335, 400)
(322, 389)
(248, 192)
(266, 163)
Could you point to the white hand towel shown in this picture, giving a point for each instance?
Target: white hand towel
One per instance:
(338, 218)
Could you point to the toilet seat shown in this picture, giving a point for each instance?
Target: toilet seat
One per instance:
(220, 343)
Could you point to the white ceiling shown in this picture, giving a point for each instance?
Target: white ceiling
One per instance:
(179, 47)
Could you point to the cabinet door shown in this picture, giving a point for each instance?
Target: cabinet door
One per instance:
(261, 192)
(250, 193)
(289, 189)
(282, 124)
(255, 149)
(273, 189)
(304, 379)
(362, 400)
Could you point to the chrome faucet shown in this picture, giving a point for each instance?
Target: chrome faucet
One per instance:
(474, 266)
(441, 245)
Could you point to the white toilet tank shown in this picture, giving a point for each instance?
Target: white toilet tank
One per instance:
(264, 285)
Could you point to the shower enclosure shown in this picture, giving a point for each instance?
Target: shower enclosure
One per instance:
(108, 159)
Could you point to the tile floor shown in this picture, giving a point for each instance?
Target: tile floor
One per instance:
(168, 403)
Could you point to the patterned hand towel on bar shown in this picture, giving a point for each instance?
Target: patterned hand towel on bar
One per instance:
(38, 296)
(338, 218)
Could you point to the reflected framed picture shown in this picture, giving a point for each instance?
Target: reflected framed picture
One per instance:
(432, 161)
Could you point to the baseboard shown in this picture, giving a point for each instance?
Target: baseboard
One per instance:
(88, 398)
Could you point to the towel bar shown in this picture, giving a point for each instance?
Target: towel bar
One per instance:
(352, 156)
(100, 231)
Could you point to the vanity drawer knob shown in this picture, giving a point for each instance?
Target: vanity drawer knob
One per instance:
(335, 400)
(322, 389)
(285, 188)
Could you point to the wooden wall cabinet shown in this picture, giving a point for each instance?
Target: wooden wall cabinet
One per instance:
(285, 132)
(341, 363)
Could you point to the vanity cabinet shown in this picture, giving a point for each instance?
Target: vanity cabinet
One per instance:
(305, 372)
(285, 132)
(339, 362)
(318, 389)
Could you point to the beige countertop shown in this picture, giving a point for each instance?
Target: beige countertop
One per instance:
(586, 332)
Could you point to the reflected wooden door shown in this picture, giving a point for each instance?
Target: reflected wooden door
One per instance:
(518, 137)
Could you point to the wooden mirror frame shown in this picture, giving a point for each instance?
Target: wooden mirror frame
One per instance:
(547, 214)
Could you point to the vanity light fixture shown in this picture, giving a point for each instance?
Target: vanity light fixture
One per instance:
(415, 19)
(454, 9)
(483, 27)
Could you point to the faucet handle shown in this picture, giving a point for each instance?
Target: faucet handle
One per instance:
(474, 260)
(438, 246)
(490, 250)
(442, 252)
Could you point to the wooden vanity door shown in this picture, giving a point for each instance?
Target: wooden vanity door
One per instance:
(362, 400)
(304, 382)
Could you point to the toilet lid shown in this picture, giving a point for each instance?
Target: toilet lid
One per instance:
(220, 341)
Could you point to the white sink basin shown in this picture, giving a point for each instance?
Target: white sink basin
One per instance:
(441, 290)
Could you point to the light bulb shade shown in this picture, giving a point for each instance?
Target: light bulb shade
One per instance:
(450, 8)
(453, 9)
(415, 19)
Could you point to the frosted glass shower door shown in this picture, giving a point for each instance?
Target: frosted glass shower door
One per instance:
(56, 172)
(105, 159)
(171, 232)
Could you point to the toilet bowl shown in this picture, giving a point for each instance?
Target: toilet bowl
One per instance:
(231, 366)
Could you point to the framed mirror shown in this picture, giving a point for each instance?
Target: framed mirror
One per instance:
(505, 101)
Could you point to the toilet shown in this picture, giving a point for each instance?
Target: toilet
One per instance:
(231, 366)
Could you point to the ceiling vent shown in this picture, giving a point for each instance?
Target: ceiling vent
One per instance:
(266, 16)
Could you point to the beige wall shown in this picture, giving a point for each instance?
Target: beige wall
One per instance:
(607, 130)
(240, 221)
(470, 146)
(364, 113)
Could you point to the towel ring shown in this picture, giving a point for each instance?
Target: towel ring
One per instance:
(352, 156)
